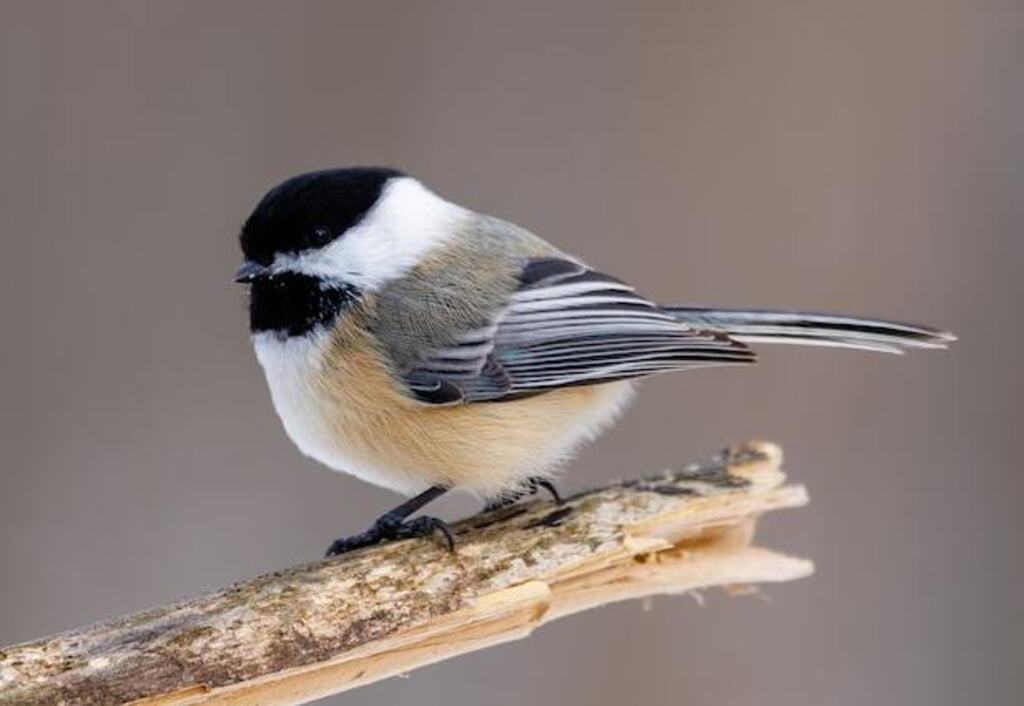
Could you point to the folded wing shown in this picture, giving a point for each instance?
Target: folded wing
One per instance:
(566, 325)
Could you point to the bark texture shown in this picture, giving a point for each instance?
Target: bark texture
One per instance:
(313, 630)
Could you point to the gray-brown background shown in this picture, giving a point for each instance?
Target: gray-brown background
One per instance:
(864, 157)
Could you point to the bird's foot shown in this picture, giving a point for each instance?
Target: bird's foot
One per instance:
(389, 528)
(536, 484)
(531, 486)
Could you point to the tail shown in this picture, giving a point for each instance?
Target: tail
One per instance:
(810, 329)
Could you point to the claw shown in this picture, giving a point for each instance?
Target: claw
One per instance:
(426, 526)
(529, 487)
(387, 529)
(548, 486)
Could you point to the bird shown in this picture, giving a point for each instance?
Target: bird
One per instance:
(424, 347)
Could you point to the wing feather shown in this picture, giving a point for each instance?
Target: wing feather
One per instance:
(566, 325)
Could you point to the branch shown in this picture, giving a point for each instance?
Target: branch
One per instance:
(314, 630)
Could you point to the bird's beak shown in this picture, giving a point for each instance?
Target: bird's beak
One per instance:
(251, 270)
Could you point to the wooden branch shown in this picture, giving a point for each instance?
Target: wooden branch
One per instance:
(314, 630)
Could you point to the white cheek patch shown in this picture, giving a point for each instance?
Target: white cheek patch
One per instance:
(407, 222)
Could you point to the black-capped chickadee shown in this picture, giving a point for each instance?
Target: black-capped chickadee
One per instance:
(423, 347)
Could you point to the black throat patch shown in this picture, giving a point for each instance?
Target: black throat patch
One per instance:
(292, 304)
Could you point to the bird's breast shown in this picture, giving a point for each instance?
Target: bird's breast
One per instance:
(341, 404)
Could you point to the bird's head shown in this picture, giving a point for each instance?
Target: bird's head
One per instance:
(319, 241)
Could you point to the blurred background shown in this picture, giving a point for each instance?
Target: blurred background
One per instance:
(860, 157)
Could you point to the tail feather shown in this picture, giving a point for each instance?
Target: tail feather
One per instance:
(813, 329)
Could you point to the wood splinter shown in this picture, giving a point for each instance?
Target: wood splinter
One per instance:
(315, 630)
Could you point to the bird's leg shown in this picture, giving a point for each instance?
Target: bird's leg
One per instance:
(530, 487)
(394, 525)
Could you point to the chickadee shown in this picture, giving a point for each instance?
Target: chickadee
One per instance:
(423, 347)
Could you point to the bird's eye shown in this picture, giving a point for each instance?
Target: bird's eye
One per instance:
(320, 236)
